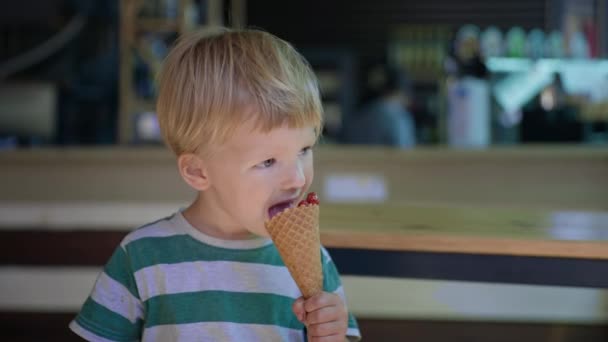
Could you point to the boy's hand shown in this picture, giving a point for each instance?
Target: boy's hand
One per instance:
(324, 315)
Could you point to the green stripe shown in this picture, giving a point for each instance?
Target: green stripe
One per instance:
(221, 306)
(119, 269)
(115, 327)
(352, 322)
(150, 251)
(331, 278)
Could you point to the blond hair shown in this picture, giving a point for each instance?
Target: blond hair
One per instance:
(212, 82)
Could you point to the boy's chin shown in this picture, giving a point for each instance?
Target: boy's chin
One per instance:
(263, 233)
(260, 232)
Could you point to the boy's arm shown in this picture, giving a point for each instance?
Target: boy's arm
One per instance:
(332, 283)
(113, 310)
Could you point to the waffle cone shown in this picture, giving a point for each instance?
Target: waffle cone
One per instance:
(295, 232)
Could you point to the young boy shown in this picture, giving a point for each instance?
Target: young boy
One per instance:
(241, 111)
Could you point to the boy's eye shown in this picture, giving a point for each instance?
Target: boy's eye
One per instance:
(266, 163)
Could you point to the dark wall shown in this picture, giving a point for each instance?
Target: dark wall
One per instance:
(365, 25)
(363, 30)
(30, 12)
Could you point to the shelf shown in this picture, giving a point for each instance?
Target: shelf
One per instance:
(521, 79)
(143, 35)
(594, 112)
(517, 65)
(329, 82)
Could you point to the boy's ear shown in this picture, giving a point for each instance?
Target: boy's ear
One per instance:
(193, 171)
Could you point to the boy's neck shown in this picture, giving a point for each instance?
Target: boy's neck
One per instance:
(203, 215)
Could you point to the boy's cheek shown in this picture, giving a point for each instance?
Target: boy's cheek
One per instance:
(259, 227)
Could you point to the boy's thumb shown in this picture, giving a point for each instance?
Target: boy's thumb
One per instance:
(298, 309)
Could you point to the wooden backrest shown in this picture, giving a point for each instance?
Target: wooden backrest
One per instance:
(551, 177)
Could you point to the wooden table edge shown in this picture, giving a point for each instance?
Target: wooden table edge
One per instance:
(465, 244)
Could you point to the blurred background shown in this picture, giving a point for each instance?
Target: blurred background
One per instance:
(470, 73)
(473, 104)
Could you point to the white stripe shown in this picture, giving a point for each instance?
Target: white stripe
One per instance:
(116, 297)
(214, 275)
(61, 289)
(353, 334)
(326, 254)
(87, 335)
(221, 331)
(81, 215)
(162, 228)
(181, 224)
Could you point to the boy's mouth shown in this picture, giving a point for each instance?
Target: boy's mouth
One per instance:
(276, 209)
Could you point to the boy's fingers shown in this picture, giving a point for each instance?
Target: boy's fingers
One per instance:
(321, 300)
(326, 329)
(326, 314)
(332, 338)
(298, 304)
(298, 309)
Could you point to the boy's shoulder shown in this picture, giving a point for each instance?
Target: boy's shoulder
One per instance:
(164, 227)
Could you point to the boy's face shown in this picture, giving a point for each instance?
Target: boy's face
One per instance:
(256, 175)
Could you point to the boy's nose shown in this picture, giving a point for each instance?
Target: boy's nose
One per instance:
(294, 177)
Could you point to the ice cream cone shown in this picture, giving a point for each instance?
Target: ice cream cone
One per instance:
(295, 232)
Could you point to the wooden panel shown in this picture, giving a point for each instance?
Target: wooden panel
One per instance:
(462, 230)
(535, 177)
(555, 177)
(396, 330)
(57, 248)
(383, 227)
(485, 268)
(36, 326)
(91, 174)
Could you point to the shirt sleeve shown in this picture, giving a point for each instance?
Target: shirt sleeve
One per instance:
(332, 283)
(113, 310)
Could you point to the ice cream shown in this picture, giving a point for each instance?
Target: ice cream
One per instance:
(295, 233)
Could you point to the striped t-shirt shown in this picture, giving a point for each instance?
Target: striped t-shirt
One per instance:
(167, 281)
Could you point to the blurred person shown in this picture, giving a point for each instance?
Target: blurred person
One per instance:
(385, 119)
(552, 116)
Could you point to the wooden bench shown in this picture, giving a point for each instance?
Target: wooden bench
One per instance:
(531, 216)
(543, 208)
